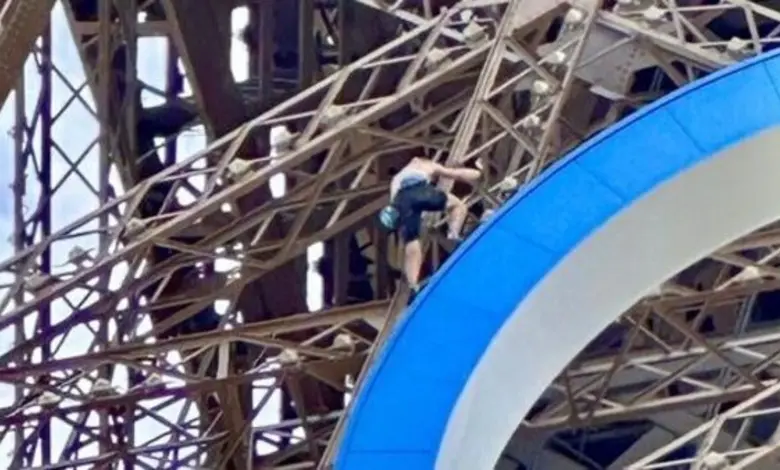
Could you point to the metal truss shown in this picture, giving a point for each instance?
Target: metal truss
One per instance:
(49, 171)
(736, 453)
(685, 348)
(513, 84)
(635, 382)
(331, 191)
(668, 361)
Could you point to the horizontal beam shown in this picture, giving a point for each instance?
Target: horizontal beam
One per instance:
(372, 312)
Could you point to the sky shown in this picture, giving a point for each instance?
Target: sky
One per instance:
(72, 132)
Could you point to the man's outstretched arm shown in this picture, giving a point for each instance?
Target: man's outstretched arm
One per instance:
(466, 175)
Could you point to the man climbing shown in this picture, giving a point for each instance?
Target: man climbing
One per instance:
(412, 192)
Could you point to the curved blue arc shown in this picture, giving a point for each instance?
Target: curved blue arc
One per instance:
(401, 412)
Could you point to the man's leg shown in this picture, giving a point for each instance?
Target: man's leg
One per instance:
(413, 263)
(411, 223)
(456, 216)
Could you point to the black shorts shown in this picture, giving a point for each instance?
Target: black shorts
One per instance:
(411, 202)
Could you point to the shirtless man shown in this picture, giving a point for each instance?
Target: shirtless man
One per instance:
(412, 192)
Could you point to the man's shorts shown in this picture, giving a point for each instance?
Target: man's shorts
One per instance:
(411, 201)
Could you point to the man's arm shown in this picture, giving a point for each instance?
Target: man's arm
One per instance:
(466, 175)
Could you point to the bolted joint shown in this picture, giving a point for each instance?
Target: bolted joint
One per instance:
(474, 33)
(343, 342)
(574, 18)
(435, 59)
(654, 16)
(48, 399)
(738, 48)
(541, 88)
(531, 122)
(715, 461)
(35, 282)
(289, 357)
(134, 227)
(238, 169)
(282, 140)
(632, 6)
(508, 184)
(102, 387)
(750, 273)
(79, 256)
(332, 115)
(558, 57)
